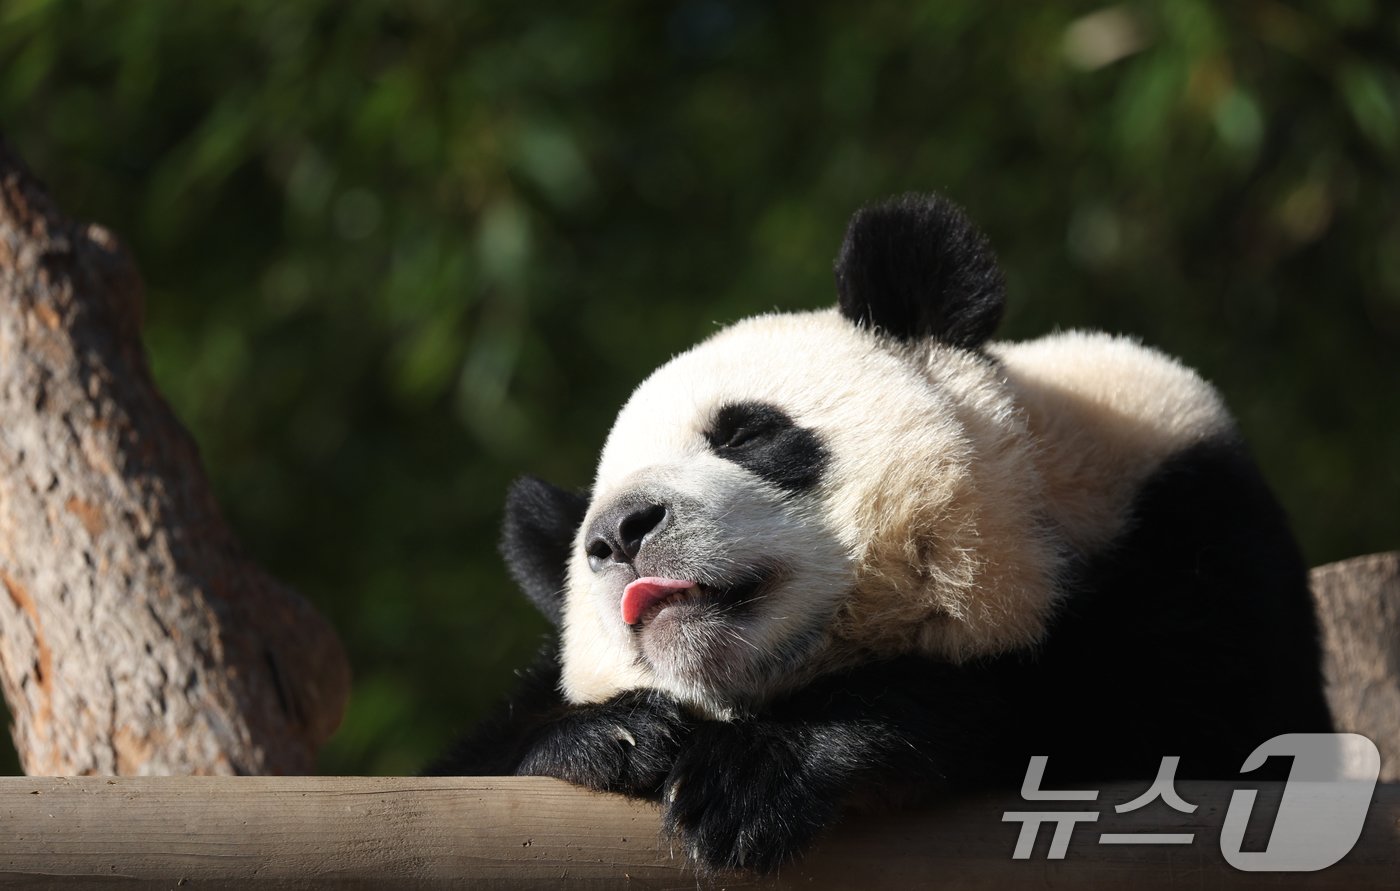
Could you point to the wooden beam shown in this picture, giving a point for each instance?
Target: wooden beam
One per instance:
(280, 832)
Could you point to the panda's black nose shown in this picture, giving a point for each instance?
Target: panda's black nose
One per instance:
(618, 533)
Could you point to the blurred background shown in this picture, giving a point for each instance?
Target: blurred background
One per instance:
(399, 252)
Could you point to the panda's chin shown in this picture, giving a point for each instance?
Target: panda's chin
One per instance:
(696, 635)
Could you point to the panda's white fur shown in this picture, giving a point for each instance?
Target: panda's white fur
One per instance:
(958, 489)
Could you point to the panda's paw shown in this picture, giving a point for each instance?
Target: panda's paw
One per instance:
(742, 796)
(627, 744)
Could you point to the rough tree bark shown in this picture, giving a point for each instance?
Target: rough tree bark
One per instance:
(135, 637)
(1358, 606)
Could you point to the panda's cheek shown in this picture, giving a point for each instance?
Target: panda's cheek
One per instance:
(605, 591)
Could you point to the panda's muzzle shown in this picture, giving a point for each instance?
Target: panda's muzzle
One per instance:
(637, 547)
(618, 533)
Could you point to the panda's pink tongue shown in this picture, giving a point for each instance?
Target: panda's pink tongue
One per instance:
(639, 596)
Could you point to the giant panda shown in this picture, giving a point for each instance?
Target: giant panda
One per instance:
(868, 554)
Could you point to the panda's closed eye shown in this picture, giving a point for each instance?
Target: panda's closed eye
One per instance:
(762, 438)
(739, 424)
(738, 437)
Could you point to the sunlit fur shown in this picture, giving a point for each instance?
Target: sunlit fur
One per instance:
(960, 486)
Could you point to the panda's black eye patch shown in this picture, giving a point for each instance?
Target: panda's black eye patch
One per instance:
(762, 439)
(739, 424)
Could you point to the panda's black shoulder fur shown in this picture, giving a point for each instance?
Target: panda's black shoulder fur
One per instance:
(1194, 631)
(1191, 634)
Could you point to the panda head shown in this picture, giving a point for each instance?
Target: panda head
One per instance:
(802, 490)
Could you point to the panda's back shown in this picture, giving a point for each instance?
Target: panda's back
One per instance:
(1106, 413)
(1187, 605)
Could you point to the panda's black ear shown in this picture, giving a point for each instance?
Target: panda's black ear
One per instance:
(538, 533)
(916, 267)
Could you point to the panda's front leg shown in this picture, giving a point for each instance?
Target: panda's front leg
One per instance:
(627, 744)
(756, 792)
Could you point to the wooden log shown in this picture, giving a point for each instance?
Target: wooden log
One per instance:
(282, 832)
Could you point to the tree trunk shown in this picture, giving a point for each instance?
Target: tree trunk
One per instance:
(1358, 606)
(135, 637)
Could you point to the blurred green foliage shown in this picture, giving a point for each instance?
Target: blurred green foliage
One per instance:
(399, 252)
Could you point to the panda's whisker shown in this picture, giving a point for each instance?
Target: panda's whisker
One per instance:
(735, 635)
(733, 607)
